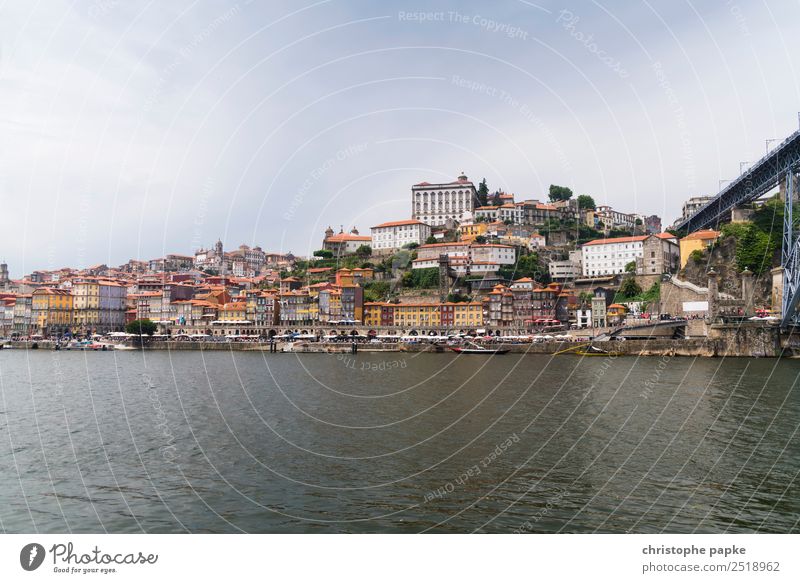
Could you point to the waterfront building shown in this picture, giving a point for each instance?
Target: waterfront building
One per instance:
(389, 237)
(435, 204)
(23, 314)
(298, 307)
(543, 303)
(697, 241)
(98, 305)
(426, 315)
(499, 307)
(51, 310)
(660, 254)
(7, 315)
(612, 256)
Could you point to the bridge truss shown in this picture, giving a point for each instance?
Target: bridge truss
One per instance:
(781, 164)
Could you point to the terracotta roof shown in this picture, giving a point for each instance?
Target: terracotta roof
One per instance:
(614, 240)
(342, 237)
(399, 223)
(702, 235)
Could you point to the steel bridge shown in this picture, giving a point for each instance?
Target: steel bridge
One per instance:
(778, 167)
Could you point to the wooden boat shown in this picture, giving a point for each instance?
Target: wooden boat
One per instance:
(471, 348)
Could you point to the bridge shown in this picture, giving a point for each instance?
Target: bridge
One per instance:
(778, 167)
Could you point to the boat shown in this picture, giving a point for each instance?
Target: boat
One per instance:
(588, 350)
(471, 348)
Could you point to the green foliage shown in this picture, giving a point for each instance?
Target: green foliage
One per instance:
(619, 233)
(323, 253)
(586, 202)
(425, 278)
(458, 298)
(651, 296)
(364, 251)
(755, 246)
(483, 193)
(528, 265)
(557, 193)
(698, 256)
(586, 234)
(411, 246)
(629, 289)
(430, 240)
(480, 239)
(630, 267)
(376, 291)
(144, 327)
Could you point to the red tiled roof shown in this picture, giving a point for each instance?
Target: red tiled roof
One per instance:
(399, 223)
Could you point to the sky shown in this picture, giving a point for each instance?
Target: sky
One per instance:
(129, 130)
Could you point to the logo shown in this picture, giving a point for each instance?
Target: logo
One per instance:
(31, 556)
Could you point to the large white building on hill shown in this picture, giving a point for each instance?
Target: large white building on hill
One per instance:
(388, 237)
(435, 204)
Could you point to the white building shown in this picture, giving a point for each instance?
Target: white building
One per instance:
(511, 213)
(388, 237)
(564, 270)
(612, 219)
(434, 204)
(476, 258)
(612, 256)
(693, 205)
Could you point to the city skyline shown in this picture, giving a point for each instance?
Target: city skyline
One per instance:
(132, 133)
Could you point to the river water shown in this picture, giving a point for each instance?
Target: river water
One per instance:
(394, 442)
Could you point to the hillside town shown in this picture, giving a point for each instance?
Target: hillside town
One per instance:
(465, 261)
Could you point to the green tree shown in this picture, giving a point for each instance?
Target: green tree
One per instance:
(430, 240)
(483, 193)
(376, 291)
(630, 267)
(425, 278)
(323, 253)
(480, 239)
(457, 298)
(586, 202)
(558, 193)
(143, 327)
(629, 288)
(364, 251)
(411, 246)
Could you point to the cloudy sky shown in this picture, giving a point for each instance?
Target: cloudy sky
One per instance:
(134, 129)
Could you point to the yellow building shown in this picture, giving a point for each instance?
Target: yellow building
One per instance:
(86, 304)
(372, 313)
(51, 310)
(697, 241)
(234, 312)
(411, 315)
(464, 314)
(470, 232)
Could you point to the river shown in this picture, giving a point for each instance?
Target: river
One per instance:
(392, 442)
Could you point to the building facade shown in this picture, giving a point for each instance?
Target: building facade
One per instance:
(435, 204)
(389, 237)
